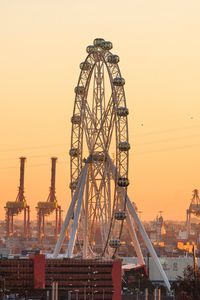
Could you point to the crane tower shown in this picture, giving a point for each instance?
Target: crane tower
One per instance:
(45, 208)
(13, 208)
(194, 209)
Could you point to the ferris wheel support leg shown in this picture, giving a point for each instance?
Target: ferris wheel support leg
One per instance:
(68, 217)
(147, 242)
(72, 239)
(135, 240)
(85, 242)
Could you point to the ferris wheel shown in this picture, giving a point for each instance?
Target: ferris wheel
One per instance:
(99, 162)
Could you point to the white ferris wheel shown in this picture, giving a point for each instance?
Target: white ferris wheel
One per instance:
(99, 201)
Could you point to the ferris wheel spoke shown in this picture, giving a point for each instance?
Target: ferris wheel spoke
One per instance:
(103, 134)
(90, 127)
(93, 134)
(99, 213)
(98, 103)
(102, 137)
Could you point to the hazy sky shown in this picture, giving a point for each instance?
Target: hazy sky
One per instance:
(42, 43)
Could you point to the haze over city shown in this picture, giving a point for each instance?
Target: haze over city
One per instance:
(42, 43)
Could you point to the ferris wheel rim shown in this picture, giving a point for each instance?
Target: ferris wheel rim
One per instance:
(103, 56)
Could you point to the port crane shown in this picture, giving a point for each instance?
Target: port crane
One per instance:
(45, 208)
(14, 208)
(194, 209)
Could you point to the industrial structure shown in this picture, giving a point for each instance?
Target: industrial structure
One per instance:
(13, 208)
(45, 208)
(194, 209)
(100, 204)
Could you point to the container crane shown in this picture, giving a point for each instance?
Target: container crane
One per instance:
(45, 208)
(194, 209)
(13, 208)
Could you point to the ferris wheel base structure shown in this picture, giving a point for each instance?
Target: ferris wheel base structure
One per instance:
(132, 218)
(100, 205)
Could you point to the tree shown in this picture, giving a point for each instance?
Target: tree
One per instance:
(187, 287)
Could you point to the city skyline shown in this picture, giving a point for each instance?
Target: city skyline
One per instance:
(158, 46)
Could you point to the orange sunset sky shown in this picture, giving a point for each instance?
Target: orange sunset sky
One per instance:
(42, 43)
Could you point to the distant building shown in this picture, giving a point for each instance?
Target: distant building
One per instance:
(173, 266)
